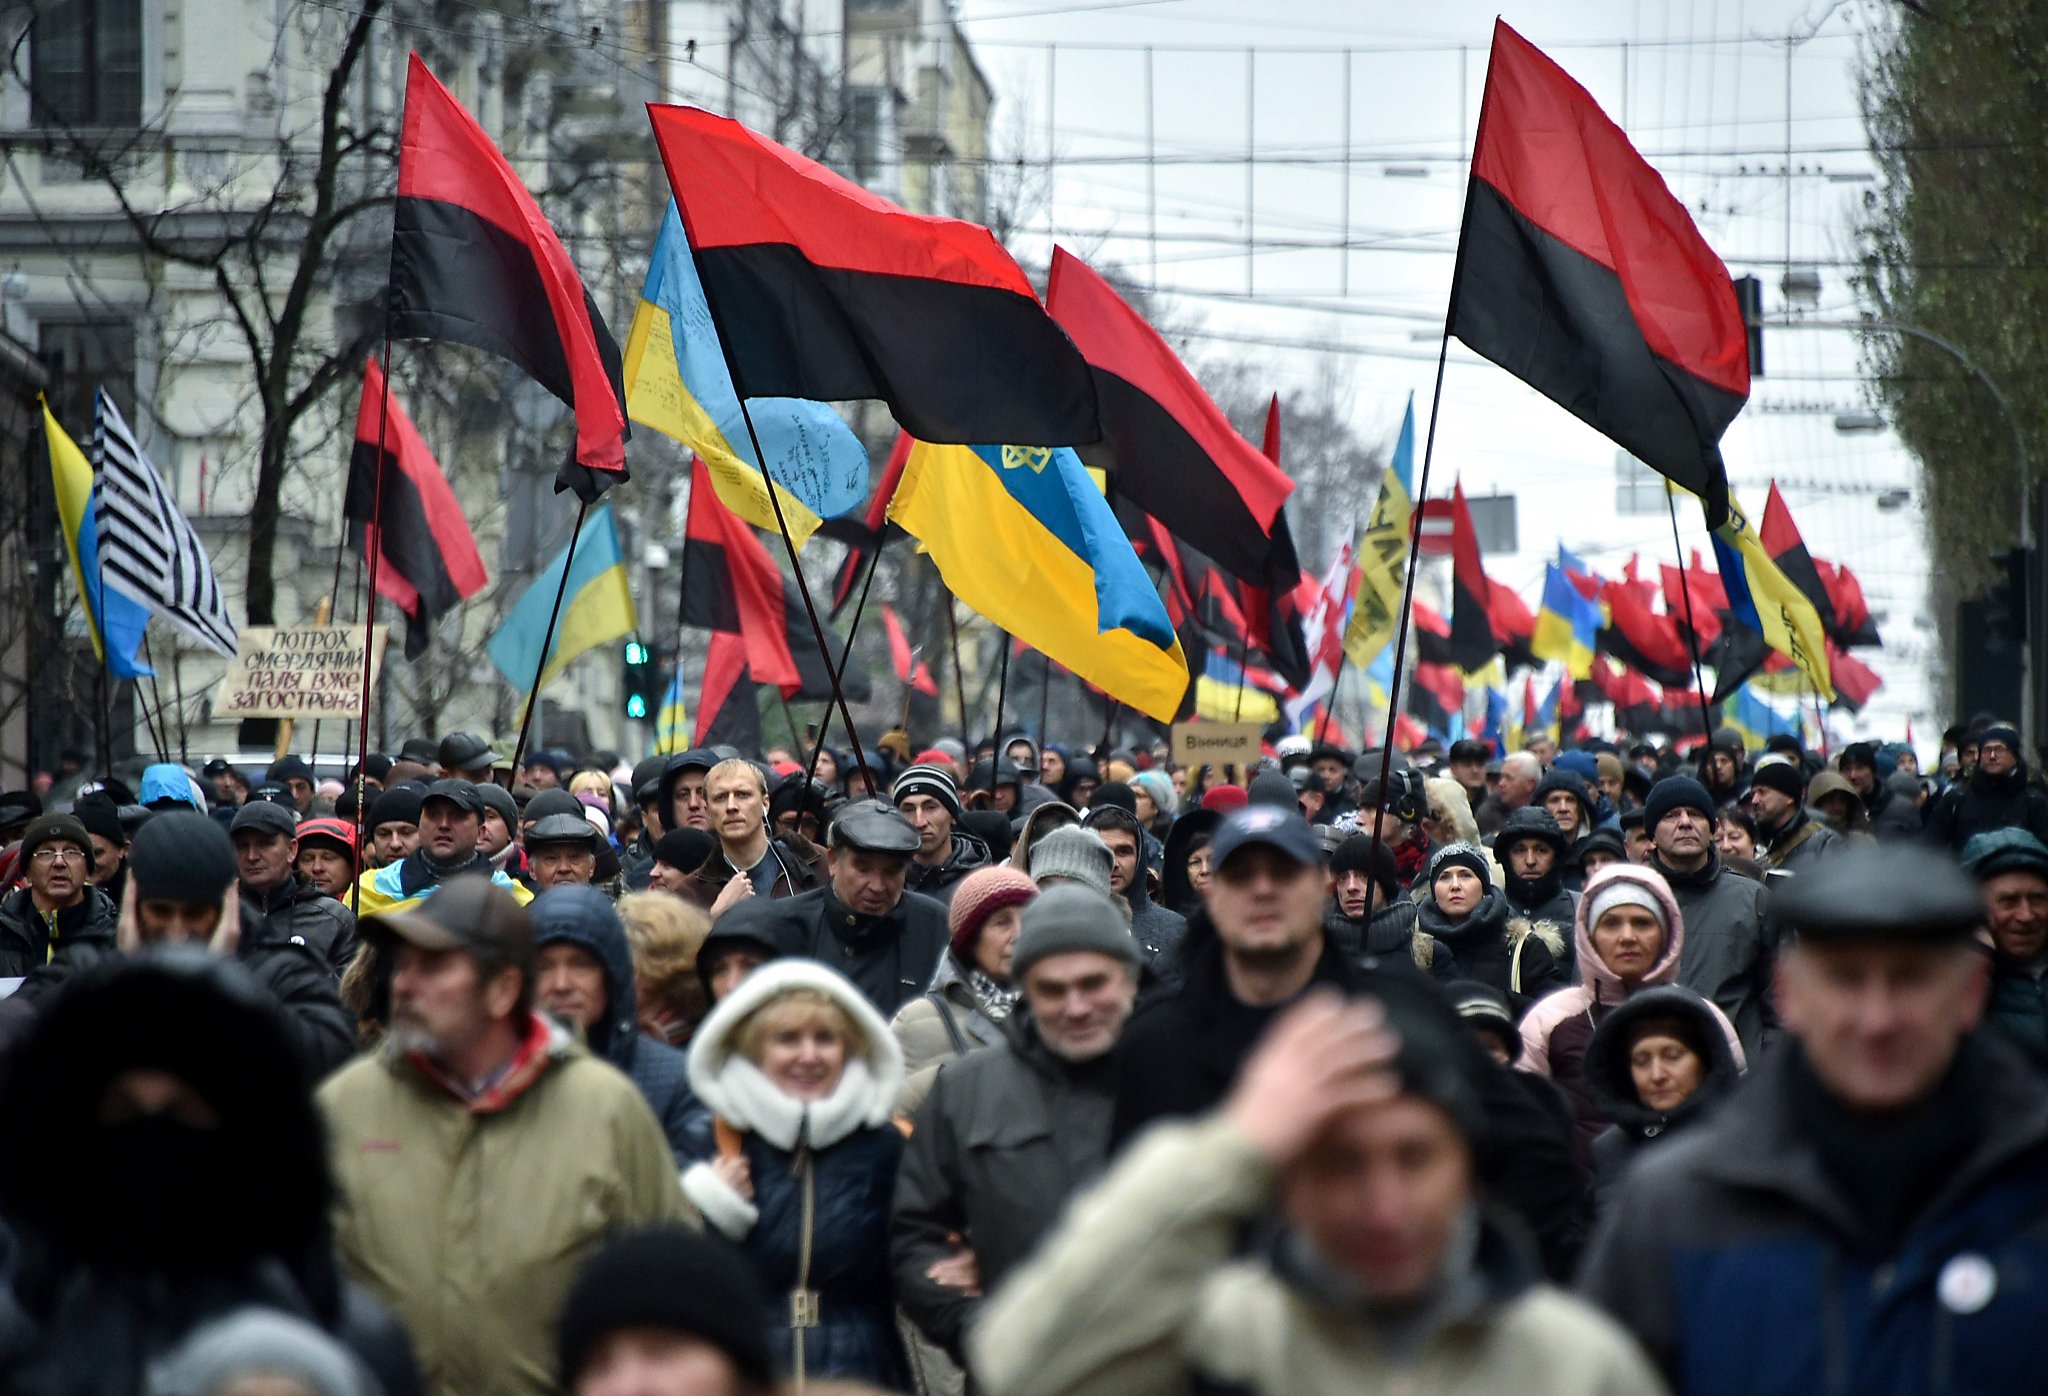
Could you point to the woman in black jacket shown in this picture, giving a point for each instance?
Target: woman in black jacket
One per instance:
(1657, 1062)
(1488, 942)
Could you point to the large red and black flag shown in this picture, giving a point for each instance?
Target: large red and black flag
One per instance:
(865, 537)
(1848, 618)
(1436, 696)
(1432, 635)
(1473, 640)
(426, 557)
(1780, 537)
(1167, 448)
(728, 707)
(1642, 639)
(823, 290)
(474, 260)
(1579, 273)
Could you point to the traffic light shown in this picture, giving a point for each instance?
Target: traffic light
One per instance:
(2006, 598)
(1749, 296)
(638, 680)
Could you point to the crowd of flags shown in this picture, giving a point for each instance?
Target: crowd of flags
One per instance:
(1064, 470)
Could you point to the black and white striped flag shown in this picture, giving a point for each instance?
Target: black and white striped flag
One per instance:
(147, 547)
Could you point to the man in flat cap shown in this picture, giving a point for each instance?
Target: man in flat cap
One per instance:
(1870, 1212)
(466, 756)
(561, 851)
(862, 922)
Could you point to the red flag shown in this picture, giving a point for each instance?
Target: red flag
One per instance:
(1848, 614)
(474, 260)
(1408, 733)
(732, 586)
(1704, 617)
(908, 669)
(1644, 640)
(873, 527)
(1780, 537)
(824, 290)
(429, 559)
(1855, 681)
(1473, 638)
(726, 711)
(1579, 273)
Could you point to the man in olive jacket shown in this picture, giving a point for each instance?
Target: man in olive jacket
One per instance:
(483, 1154)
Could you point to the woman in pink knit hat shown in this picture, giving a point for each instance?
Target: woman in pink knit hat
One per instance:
(971, 995)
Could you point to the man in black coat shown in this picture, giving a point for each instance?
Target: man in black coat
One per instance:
(1257, 946)
(1996, 795)
(1892, 816)
(59, 909)
(861, 922)
(266, 850)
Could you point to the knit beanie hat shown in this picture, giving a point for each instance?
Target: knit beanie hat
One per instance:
(1485, 1009)
(980, 895)
(180, 857)
(1676, 792)
(101, 816)
(1779, 773)
(398, 804)
(1074, 853)
(1222, 799)
(1355, 854)
(1159, 788)
(1461, 855)
(1068, 918)
(1114, 792)
(2007, 736)
(1559, 778)
(1272, 788)
(668, 1278)
(684, 849)
(329, 833)
(1624, 890)
(54, 828)
(927, 780)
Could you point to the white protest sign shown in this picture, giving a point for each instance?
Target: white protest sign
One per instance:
(298, 671)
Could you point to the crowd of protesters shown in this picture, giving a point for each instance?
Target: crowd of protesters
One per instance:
(1029, 1071)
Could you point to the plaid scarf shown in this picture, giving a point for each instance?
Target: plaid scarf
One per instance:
(995, 1000)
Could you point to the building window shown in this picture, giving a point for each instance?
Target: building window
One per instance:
(83, 356)
(85, 65)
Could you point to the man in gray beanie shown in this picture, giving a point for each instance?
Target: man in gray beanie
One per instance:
(1072, 854)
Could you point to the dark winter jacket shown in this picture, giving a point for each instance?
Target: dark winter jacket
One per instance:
(1388, 937)
(1803, 842)
(1514, 955)
(301, 913)
(1979, 803)
(1742, 1268)
(1176, 892)
(1612, 1089)
(847, 1151)
(2019, 1004)
(890, 958)
(799, 867)
(937, 880)
(1892, 816)
(585, 916)
(1006, 1137)
(1160, 933)
(1181, 1052)
(1730, 946)
(25, 936)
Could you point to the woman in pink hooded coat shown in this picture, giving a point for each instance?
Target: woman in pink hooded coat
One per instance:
(1629, 935)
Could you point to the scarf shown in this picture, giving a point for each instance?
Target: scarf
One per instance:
(996, 1001)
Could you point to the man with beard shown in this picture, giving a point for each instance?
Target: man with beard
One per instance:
(1777, 799)
(476, 1103)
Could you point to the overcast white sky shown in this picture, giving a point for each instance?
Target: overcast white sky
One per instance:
(1701, 89)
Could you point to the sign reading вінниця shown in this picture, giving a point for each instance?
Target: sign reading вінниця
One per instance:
(298, 671)
(1216, 744)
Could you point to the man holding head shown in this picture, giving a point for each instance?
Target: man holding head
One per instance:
(451, 819)
(1868, 1212)
(1009, 1134)
(483, 1153)
(862, 922)
(1729, 944)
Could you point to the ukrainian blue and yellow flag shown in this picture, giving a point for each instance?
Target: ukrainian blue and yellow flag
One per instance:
(1764, 599)
(677, 382)
(1025, 538)
(1546, 712)
(114, 620)
(672, 719)
(1567, 625)
(1755, 719)
(1224, 693)
(1382, 554)
(597, 606)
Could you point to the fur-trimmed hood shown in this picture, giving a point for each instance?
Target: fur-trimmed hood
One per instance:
(738, 1093)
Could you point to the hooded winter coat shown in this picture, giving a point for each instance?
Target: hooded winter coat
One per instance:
(1730, 946)
(1979, 803)
(937, 880)
(942, 1023)
(1389, 936)
(891, 958)
(1005, 1138)
(303, 914)
(1612, 1089)
(1557, 1028)
(25, 942)
(118, 1241)
(1892, 816)
(585, 917)
(841, 1151)
(1176, 892)
(1805, 839)
(1146, 1290)
(472, 1217)
(1513, 954)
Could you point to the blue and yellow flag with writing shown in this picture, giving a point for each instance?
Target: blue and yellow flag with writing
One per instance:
(1382, 554)
(597, 606)
(1567, 625)
(114, 620)
(677, 383)
(1024, 537)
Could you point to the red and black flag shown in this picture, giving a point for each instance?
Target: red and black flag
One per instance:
(1436, 696)
(910, 670)
(1432, 635)
(1642, 639)
(428, 563)
(1579, 273)
(1848, 618)
(1167, 448)
(728, 706)
(1708, 599)
(1780, 537)
(474, 260)
(1855, 682)
(731, 586)
(826, 291)
(1473, 640)
(866, 537)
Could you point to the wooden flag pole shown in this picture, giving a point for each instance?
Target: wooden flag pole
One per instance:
(547, 639)
(1002, 694)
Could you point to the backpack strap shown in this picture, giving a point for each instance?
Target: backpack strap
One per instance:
(953, 1033)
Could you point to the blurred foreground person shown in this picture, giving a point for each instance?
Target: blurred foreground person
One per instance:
(664, 1312)
(1869, 1213)
(1348, 1153)
(152, 1087)
(482, 1153)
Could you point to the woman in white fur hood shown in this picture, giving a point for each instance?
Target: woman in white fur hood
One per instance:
(800, 1074)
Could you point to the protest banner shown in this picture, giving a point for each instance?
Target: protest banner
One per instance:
(1216, 744)
(311, 671)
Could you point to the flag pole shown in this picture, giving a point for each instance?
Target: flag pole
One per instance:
(1044, 698)
(1002, 692)
(1692, 633)
(1330, 703)
(1244, 648)
(373, 544)
(547, 639)
(845, 653)
(1436, 398)
(959, 677)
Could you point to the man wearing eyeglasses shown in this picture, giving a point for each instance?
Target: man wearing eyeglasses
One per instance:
(59, 908)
